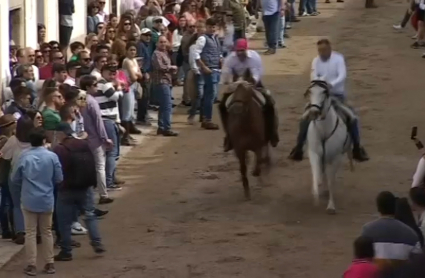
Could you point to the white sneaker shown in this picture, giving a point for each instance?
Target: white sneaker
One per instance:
(78, 229)
(415, 37)
(305, 14)
(397, 27)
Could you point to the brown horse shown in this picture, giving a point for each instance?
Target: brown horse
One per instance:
(245, 125)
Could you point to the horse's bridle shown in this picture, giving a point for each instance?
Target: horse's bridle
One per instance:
(323, 85)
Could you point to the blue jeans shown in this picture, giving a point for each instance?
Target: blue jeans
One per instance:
(282, 23)
(6, 209)
(207, 88)
(67, 201)
(196, 103)
(165, 106)
(113, 154)
(18, 217)
(271, 26)
(127, 105)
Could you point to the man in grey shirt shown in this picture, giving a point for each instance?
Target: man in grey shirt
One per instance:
(394, 241)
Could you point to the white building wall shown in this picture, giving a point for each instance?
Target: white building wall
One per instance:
(30, 23)
(80, 21)
(47, 13)
(4, 46)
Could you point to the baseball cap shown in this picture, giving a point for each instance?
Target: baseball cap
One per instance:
(241, 44)
(145, 31)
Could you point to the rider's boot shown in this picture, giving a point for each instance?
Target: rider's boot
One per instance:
(359, 153)
(271, 125)
(297, 152)
(223, 114)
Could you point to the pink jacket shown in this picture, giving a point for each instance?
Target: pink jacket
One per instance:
(361, 269)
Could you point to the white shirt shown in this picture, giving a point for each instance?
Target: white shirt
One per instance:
(232, 64)
(96, 73)
(332, 71)
(70, 81)
(192, 61)
(177, 39)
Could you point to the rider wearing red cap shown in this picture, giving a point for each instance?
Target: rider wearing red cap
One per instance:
(236, 64)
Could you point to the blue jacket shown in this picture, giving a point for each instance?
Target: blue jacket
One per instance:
(145, 50)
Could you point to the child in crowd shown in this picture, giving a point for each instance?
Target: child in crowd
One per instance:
(362, 265)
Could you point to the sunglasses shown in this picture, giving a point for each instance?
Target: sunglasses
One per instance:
(38, 57)
(38, 117)
(147, 35)
(31, 55)
(86, 59)
(127, 24)
(102, 3)
(111, 31)
(192, 26)
(55, 47)
(59, 58)
(46, 51)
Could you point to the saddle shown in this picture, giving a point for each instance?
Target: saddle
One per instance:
(259, 96)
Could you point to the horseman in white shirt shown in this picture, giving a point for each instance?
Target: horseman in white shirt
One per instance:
(330, 67)
(236, 64)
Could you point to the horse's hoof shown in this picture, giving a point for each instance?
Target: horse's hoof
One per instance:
(247, 196)
(331, 211)
(256, 173)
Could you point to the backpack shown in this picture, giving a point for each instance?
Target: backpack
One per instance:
(81, 167)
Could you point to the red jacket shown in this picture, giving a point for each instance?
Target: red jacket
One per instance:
(361, 269)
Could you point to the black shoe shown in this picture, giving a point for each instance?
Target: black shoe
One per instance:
(296, 154)
(227, 145)
(125, 141)
(19, 239)
(99, 213)
(294, 19)
(105, 200)
(270, 51)
(6, 235)
(183, 103)
(63, 257)
(274, 140)
(359, 154)
(169, 133)
(281, 45)
(99, 249)
(134, 129)
(159, 131)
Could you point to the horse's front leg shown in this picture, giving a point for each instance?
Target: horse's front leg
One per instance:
(316, 171)
(331, 171)
(258, 161)
(243, 169)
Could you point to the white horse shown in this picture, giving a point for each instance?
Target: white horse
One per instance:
(327, 141)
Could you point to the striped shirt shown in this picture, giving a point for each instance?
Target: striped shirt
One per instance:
(107, 98)
(393, 241)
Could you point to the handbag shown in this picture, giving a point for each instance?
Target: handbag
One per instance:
(138, 90)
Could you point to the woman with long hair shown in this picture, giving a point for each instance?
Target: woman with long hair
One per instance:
(109, 35)
(92, 19)
(118, 47)
(91, 40)
(190, 11)
(132, 69)
(45, 49)
(202, 10)
(125, 25)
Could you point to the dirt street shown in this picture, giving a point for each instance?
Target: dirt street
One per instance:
(182, 212)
